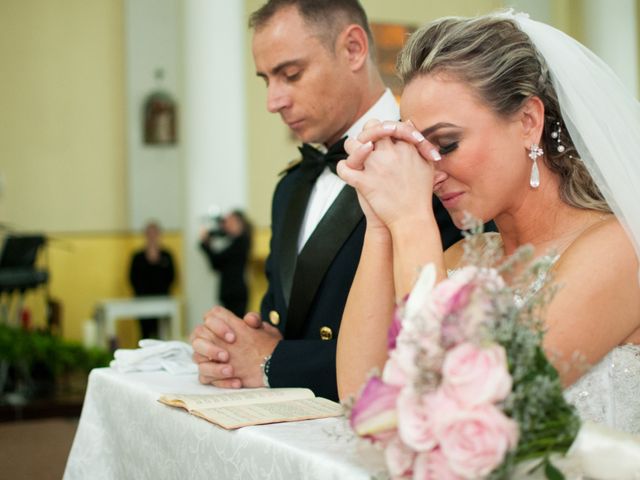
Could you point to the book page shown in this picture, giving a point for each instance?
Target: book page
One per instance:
(245, 396)
(236, 416)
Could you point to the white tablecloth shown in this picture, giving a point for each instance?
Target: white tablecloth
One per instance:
(125, 433)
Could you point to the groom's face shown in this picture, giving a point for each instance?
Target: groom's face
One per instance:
(307, 82)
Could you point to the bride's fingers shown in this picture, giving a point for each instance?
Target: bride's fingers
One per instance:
(357, 158)
(349, 175)
(378, 131)
(375, 124)
(351, 144)
(401, 131)
(372, 123)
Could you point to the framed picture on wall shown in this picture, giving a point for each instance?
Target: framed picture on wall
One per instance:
(160, 118)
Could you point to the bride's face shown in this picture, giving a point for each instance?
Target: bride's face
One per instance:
(484, 168)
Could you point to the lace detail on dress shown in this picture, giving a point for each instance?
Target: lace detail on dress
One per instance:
(609, 392)
(521, 297)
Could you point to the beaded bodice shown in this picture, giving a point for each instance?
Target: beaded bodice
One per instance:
(609, 392)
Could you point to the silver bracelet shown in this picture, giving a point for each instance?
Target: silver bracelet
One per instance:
(264, 366)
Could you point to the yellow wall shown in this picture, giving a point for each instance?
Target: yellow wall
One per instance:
(62, 145)
(85, 268)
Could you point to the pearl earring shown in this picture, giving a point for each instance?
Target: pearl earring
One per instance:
(534, 152)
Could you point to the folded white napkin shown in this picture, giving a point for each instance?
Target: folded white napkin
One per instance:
(172, 356)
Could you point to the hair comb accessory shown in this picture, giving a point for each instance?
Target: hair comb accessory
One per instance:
(556, 136)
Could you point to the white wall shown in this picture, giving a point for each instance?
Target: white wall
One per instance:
(214, 129)
(610, 29)
(153, 31)
(539, 10)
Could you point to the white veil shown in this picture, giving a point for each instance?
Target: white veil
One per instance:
(601, 116)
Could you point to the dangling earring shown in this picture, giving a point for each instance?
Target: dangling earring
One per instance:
(534, 152)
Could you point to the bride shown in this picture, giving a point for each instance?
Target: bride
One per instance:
(508, 119)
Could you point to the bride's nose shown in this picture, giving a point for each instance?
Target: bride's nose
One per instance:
(438, 176)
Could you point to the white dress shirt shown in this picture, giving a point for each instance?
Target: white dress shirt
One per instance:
(328, 185)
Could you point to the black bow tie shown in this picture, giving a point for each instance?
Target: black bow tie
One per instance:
(314, 161)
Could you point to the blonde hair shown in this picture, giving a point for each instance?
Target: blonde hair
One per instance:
(499, 62)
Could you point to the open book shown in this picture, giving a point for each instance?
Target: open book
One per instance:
(258, 406)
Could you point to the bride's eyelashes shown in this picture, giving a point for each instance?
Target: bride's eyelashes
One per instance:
(448, 148)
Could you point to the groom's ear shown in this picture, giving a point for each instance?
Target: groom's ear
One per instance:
(531, 116)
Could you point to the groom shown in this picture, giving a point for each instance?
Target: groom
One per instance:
(315, 57)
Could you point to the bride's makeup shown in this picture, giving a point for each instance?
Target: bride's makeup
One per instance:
(448, 148)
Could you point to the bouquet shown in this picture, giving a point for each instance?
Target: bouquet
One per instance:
(467, 391)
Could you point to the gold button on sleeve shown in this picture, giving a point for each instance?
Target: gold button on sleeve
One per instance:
(274, 317)
(326, 333)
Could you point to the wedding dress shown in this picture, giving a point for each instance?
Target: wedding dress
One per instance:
(609, 392)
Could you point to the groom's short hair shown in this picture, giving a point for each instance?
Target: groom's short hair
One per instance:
(328, 17)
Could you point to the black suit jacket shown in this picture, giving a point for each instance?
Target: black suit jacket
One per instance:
(320, 283)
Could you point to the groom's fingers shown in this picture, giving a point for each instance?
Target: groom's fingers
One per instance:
(253, 320)
(219, 321)
(208, 350)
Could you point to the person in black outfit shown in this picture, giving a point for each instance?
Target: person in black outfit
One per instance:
(231, 259)
(151, 273)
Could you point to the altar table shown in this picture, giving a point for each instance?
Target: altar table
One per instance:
(166, 309)
(124, 432)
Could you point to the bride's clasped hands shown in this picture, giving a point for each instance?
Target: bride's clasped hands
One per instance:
(392, 167)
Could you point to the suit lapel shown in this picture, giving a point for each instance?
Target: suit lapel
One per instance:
(290, 232)
(318, 253)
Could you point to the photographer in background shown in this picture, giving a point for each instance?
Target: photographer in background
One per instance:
(227, 247)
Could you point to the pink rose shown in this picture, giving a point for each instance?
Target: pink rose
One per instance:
(475, 441)
(392, 373)
(463, 303)
(475, 376)
(433, 465)
(459, 298)
(418, 350)
(374, 413)
(453, 293)
(417, 416)
(480, 309)
(399, 458)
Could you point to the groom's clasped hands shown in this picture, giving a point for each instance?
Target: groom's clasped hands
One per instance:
(229, 350)
(391, 165)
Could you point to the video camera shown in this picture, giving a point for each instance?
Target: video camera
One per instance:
(215, 218)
